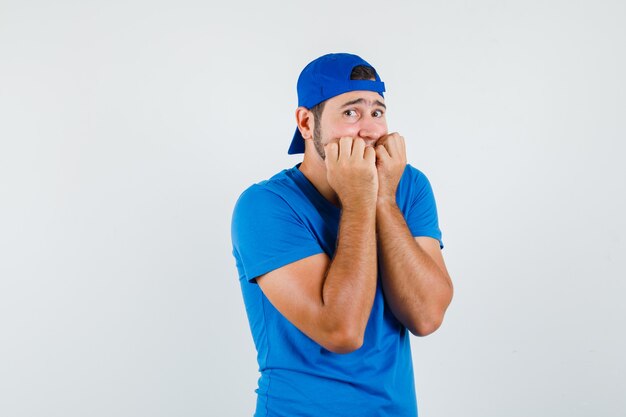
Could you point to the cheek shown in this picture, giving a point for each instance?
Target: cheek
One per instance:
(346, 129)
(382, 126)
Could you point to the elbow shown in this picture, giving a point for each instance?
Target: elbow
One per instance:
(426, 324)
(423, 328)
(344, 341)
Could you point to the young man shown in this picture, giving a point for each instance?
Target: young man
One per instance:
(339, 257)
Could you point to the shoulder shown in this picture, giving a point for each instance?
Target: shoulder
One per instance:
(413, 175)
(260, 203)
(267, 230)
(266, 204)
(413, 184)
(417, 202)
(271, 191)
(256, 196)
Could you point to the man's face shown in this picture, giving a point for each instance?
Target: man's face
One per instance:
(358, 114)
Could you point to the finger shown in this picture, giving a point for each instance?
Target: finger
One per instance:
(358, 147)
(332, 152)
(381, 153)
(381, 140)
(369, 154)
(400, 146)
(391, 144)
(345, 147)
(400, 149)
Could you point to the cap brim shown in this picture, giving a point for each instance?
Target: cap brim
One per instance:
(297, 143)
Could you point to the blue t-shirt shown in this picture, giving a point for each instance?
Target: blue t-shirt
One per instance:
(282, 220)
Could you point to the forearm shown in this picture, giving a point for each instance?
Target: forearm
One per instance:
(350, 284)
(416, 289)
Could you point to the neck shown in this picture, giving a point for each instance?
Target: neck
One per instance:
(314, 169)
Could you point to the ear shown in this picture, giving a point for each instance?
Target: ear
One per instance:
(305, 122)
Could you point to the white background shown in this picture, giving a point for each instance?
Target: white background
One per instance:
(129, 128)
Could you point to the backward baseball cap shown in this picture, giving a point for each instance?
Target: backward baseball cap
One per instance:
(327, 77)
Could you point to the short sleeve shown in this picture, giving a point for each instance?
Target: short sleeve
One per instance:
(421, 216)
(267, 233)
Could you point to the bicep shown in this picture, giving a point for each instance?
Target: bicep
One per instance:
(295, 290)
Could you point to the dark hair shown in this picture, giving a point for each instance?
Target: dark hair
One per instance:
(360, 72)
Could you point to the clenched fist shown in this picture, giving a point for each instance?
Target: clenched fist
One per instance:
(351, 172)
(390, 164)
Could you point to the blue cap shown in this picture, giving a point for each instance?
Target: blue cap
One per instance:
(327, 77)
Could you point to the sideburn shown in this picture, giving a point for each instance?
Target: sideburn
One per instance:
(317, 137)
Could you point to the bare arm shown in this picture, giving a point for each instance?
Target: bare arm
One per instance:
(331, 301)
(415, 280)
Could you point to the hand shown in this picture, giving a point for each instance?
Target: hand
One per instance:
(351, 172)
(390, 164)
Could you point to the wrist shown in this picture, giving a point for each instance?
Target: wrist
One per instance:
(359, 202)
(359, 207)
(386, 201)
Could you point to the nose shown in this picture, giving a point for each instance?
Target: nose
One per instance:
(370, 130)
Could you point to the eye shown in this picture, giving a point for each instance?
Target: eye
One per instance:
(350, 113)
(377, 113)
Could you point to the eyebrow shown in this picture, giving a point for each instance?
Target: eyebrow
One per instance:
(362, 100)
